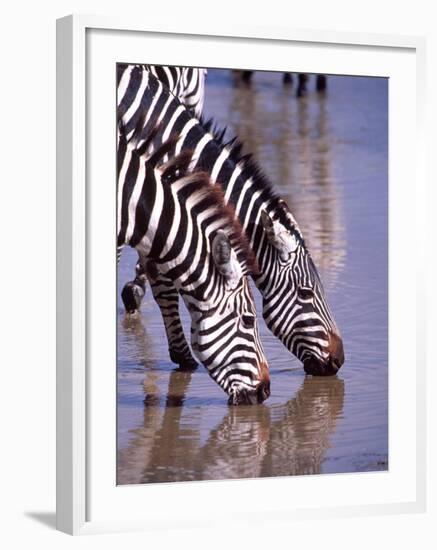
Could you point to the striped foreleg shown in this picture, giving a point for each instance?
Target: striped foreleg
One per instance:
(167, 298)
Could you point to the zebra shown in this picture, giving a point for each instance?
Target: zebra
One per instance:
(294, 304)
(186, 83)
(302, 80)
(181, 229)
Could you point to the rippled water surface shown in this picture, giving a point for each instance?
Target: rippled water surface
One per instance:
(327, 156)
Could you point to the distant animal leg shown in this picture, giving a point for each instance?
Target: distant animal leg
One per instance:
(302, 85)
(321, 83)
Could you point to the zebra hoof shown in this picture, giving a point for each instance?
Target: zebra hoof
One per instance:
(184, 362)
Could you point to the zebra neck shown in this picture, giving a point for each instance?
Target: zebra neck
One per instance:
(141, 94)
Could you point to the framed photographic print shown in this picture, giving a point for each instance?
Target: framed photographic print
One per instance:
(238, 275)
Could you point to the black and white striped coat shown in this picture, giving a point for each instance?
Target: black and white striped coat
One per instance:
(185, 83)
(294, 304)
(182, 230)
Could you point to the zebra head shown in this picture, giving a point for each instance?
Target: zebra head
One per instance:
(294, 304)
(224, 333)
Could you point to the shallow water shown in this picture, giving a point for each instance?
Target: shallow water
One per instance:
(327, 155)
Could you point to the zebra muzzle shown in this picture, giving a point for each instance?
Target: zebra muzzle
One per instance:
(314, 366)
(250, 397)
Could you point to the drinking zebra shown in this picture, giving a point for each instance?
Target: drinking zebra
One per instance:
(186, 237)
(294, 303)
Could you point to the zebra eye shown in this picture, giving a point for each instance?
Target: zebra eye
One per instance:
(305, 294)
(248, 321)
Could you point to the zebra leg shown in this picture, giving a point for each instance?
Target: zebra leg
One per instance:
(167, 298)
(302, 85)
(321, 83)
(287, 78)
(247, 76)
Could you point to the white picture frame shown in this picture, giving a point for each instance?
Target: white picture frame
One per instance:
(75, 470)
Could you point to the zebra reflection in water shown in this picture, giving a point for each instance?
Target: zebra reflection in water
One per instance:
(288, 439)
(249, 442)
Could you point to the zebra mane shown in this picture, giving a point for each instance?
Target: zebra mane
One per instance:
(251, 168)
(196, 183)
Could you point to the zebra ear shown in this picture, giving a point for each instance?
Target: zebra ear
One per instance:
(278, 236)
(267, 221)
(225, 259)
